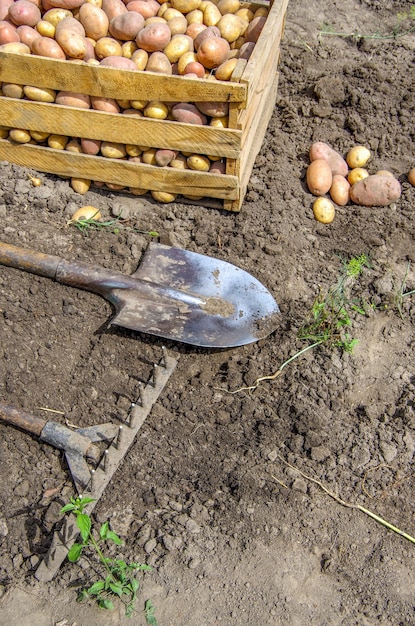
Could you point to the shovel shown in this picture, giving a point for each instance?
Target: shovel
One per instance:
(78, 445)
(176, 294)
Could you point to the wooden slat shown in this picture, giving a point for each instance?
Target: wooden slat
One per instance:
(114, 83)
(72, 122)
(120, 172)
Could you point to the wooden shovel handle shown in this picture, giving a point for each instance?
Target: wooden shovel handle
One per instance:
(28, 260)
(21, 419)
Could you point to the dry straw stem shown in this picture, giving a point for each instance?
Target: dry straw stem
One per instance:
(349, 504)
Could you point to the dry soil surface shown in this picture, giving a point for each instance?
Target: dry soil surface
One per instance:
(210, 493)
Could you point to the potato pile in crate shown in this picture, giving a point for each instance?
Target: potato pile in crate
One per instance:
(135, 64)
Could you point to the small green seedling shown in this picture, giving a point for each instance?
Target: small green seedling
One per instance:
(114, 225)
(117, 579)
(404, 26)
(401, 293)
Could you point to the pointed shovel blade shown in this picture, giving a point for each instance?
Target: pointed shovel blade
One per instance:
(195, 299)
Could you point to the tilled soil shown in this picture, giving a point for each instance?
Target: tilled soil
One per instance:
(210, 493)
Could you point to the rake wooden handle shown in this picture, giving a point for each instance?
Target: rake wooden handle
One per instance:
(21, 419)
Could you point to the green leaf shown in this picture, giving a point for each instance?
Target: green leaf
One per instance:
(103, 531)
(96, 588)
(104, 603)
(83, 595)
(67, 508)
(84, 524)
(117, 589)
(75, 552)
(135, 585)
(114, 537)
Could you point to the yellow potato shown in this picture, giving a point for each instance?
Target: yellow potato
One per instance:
(19, 135)
(15, 47)
(113, 150)
(39, 136)
(58, 142)
(226, 69)
(163, 196)
(220, 122)
(4, 132)
(245, 13)
(156, 110)
(185, 59)
(10, 90)
(195, 17)
(108, 47)
(178, 45)
(39, 94)
(80, 185)
(87, 212)
(228, 6)
(356, 174)
(358, 156)
(54, 16)
(140, 58)
(185, 6)
(211, 14)
(178, 25)
(323, 210)
(128, 49)
(45, 28)
(74, 145)
(132, 150)
(137, 191)
(198, 162)
(231, 27)
(179, 163)
(149, 156)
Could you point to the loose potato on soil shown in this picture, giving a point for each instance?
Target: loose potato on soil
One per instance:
(411, 176)
(358, 156)
(340, 190)
(319, 177)
(321, 150)
(323, 210)
(375, 190)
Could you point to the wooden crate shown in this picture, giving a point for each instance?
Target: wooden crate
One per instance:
(251, 96)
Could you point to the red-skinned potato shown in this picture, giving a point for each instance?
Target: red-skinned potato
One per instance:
(340, 190)
(147, 8)
(206, 33)
(194, 67)
(212, 52)
(321, 150)
(27, 34)
(94, 20)
(112, 8)
(108, 105)
(375, 190)
(47, 47)
(8, 33)
(154, 37)
(188, 114)
(121, 63)
(70, 35)
(194, 29)
(24, 12)
(254, 29)
(90, 146)
(319, 177)
(62, 4)
(213, 109)
(126, 26)
(72, 99)
(4, 8)
(165, 156)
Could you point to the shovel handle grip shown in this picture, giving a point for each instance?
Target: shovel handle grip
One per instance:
(26, 421)
(28, 260)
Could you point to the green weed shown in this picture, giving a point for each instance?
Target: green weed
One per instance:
(401, 293)
(114, 225)
(116, 577)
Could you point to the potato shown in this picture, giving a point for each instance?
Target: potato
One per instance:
(185, 6)
(126, 26)
(159, 62)
(340, 190)
(179, 163)
(47, 47)
(70, 35)
(375, 190)
(213, 51)
(149, 156)
(156, 110)
(188, 114)
(357, 174)
(72, 99)
(177, 46)
(56, 15)
(231, 27)
(219, 122)
(108, 105)
(27, 34)
(119, 62)
(132, 150)
(140, 58)
(58, 142)
(193, 30)
(206, 33)
(246, 50)
(218, 167)
(8, 33)
(94, 20)
(194, 68)
(90, 146)
(319, 177)
(154, 37)
(87, 212)
(228, 6)
(74, 145)
(164, 157)
(39, 136)
(46, 29)
(39, 94)
(178, 25)
(198, 162)
(137, 191)
(4, 8)
(385, 173)
(10, 90)
(15, 47)
(146, 8)
(195, 17)
(211, 14)
(213, 109)
(19, 135)
(80, 185)
(24, 12)
(163, 196)
(323, 210)
(226, 69)
(113, 8)
(321, 150)
(358, 156)
(185, 59)
(113, 150)
(107, 47)
(411, 176)
(254, 29)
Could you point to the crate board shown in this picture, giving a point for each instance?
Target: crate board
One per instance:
(251, 97)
